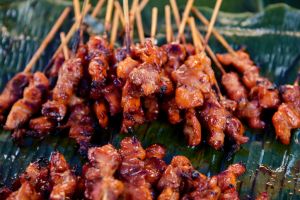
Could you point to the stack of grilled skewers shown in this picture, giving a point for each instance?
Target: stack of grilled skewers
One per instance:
(130, 173)
(143, 81)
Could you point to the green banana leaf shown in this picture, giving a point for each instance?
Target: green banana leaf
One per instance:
(271, 34)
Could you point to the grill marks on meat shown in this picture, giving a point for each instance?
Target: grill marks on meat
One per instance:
(81, 125)
(100, 54)
(68, 79)
(192, 128)
(98, 174)
(62, 178)
(249, 110)
(219, 122)
(287, 116)
(262, 93)
(31, 102)
(13, 91)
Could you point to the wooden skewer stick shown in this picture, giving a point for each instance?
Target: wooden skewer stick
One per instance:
(143, 4)
(76, 6)
(184, 19)
(219, 37)
(72, 30)
(108, 14)
(98, 8)
(48, 39)
(169, 34)
(197, 40)
(154, 23)
(115, 26)
(139, 24)
(127, 25)
(175, 12)
(132, 16)
(121, 14)
(213, 20)
(65, 47)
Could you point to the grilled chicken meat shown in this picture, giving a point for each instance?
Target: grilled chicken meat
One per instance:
(30, 104)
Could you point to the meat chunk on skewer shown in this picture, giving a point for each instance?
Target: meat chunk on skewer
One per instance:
(261, 89)
(31, 102)
(13, 91)
(192, 128)
(288, 115)
(26, 191)
(220, 122)
(68, 79)
(40, 127)
(99, 181)
(101, 112)
(81, 125)
(62, 178)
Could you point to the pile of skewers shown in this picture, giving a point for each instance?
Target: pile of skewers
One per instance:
(95, 82)
(131, 172)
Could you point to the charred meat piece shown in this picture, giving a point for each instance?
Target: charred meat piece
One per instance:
(31, 102)
(155, 151)
(126, 66)
(81, 125)
(99, 181)
(190, 84)
(151, 107)
(146, 77)
(176, 56)
(101, 112)
(133, 113)
(13, 91)
(287, 116)
(68, 80)
(113, 97)
(26, 192)
(192, 128)
(234, 88)
(62, 178)
(98, 71)
(170, 107)
(41, 126)
(220, 122)
(131, 147)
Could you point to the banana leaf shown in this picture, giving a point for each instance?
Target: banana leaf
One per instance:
(267, 29)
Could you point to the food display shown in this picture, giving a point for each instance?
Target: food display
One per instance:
(97, 85)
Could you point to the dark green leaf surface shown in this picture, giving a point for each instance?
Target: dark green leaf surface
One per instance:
(272, 37)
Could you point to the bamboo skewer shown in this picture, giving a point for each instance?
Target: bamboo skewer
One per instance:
(218, 36)
(175, 12)
(132, 16)
(296, 83)
(108, 14)
(47, 40)
(115, 26)
(127, 25)
(143, 4)
(72, 30)
(169, 34)
(198, 41)
(213, 20)
(184, 18)
(98, 8)
(65, 47)
(139, 24)
(154, 23)
(121, 14)
(76, 6)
